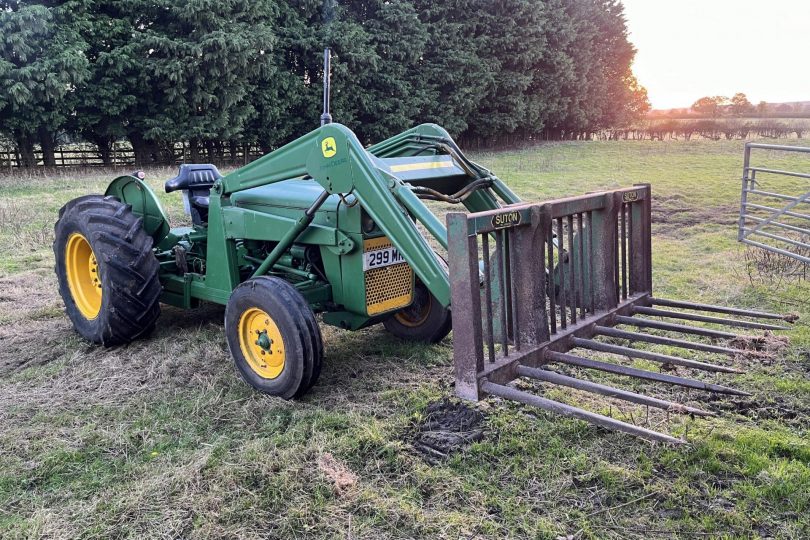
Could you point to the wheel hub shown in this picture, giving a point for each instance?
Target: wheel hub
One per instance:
(261, 343)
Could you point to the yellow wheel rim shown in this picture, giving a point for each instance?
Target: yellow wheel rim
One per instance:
(84, 280)
(261, 343)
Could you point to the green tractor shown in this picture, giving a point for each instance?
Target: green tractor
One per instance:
(321, 225)
(324, 225)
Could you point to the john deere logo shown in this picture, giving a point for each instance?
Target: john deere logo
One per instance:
(328, 147)
(509, 219)
(630, 196)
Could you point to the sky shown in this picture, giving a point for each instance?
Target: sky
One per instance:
(688, 49)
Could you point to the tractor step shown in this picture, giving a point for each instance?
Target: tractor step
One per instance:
(540, 286)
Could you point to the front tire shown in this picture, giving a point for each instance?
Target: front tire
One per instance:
(273, 337)
(107, 272)
(425, 320)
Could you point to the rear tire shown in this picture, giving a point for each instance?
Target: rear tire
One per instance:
(107, 272)
(273, 337)
(425, 320)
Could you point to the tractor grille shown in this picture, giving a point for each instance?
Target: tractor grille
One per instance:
(390, 287)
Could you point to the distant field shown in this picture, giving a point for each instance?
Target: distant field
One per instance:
(160, 439)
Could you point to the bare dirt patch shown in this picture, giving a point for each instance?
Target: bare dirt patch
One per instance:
(342, 478)
(448, 427)
(672, 214)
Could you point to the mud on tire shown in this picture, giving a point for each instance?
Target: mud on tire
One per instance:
(123, 270)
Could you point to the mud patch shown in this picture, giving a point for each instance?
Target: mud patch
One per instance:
(764, 348)
(448, 427)
(674, 213)
(773, 408)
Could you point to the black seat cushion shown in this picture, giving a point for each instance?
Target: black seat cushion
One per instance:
(200, 201)
(194, 177)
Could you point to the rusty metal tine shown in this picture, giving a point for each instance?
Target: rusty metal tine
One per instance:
(561, 266)
(578, 361)
(502, 291)
(573, 277)
(660, 340)
(716, 309)
(703, 318)
(605, 390)
(581, 295)
(550, 284)
(646, 355)
(490, 334)
(683, 328)
(513, 394)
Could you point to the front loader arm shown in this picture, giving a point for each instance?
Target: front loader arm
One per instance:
(431, 138)
(333, 156)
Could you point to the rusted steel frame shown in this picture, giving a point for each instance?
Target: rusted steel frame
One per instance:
(683, 328)
(573, 277)
(605, 390)
(646, 355)
(529, 281)
(499, 249)
(591, 265)
(641, 243)
(623, 249)
(511, 286)
(581, 258)
(642, 310)
(489, 335)
(716, 309)
(573, 360)
(503, 369)
(604, 256)
(617, 268)
(481, 222)
(660, 340)
(561, 267)
(466, 301)
(551, 293)
(592, 201)
(513, 394)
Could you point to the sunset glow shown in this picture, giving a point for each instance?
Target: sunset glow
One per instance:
(693, 48)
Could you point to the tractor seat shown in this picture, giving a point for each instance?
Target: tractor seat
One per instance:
(194, 177)
(196, 181)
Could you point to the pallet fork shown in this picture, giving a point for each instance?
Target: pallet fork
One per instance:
(534, 284)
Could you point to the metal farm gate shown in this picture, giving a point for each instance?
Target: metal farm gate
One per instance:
(775, 205)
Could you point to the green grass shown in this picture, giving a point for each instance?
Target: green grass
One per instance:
(161, 439)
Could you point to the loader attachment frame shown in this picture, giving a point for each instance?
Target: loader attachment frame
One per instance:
(533, 282)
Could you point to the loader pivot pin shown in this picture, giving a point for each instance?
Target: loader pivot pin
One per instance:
(557, 280)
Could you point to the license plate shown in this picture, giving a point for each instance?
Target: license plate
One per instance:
(381, 257)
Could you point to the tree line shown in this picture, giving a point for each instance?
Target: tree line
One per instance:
(219, 75)
(736, 106)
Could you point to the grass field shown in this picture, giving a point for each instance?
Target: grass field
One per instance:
(160, 439)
